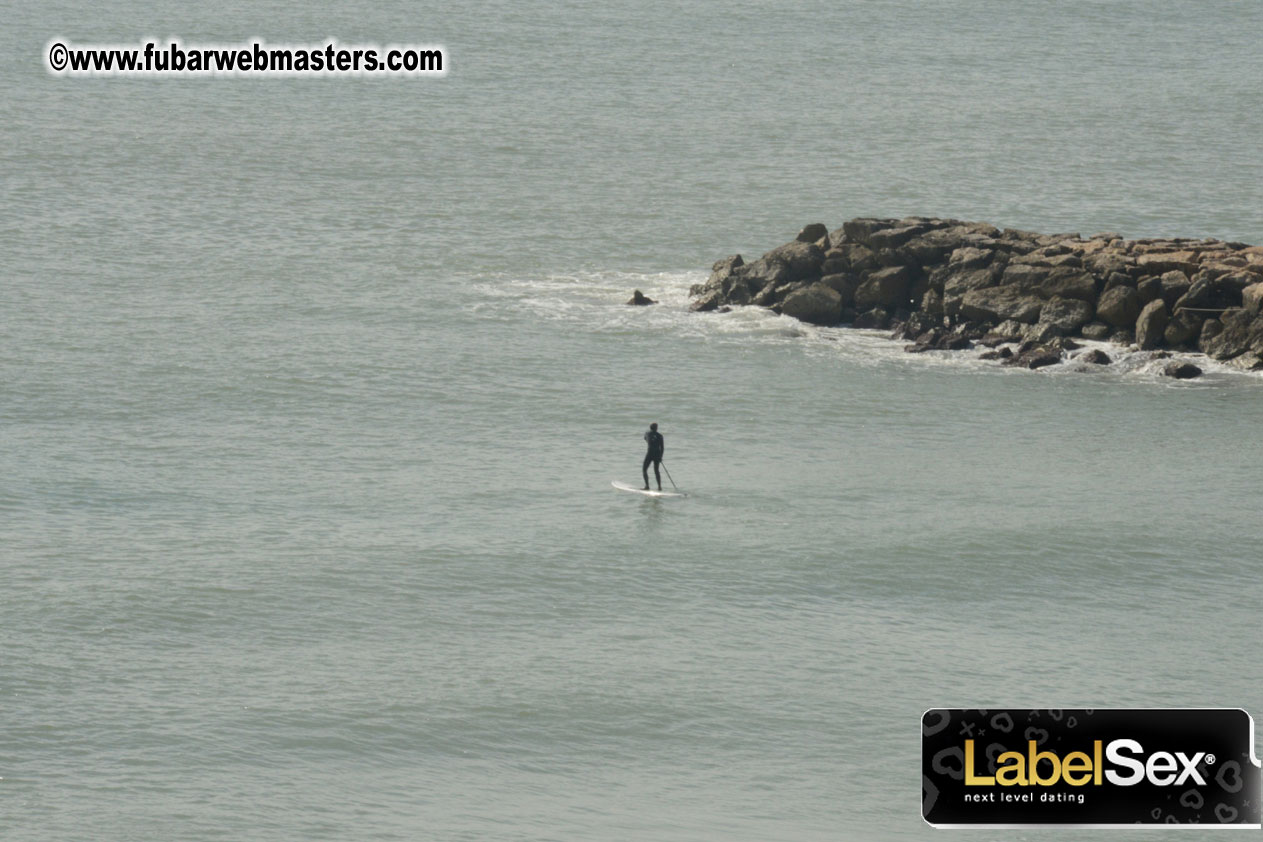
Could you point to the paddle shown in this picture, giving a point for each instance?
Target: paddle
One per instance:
(664, 467)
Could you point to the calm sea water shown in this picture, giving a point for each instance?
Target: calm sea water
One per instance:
(311, 392)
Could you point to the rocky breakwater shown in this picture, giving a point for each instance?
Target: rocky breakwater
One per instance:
(945, 284)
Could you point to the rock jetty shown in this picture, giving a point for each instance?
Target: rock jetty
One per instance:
(945, 284)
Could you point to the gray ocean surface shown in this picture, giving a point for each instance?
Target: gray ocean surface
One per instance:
(312, 391)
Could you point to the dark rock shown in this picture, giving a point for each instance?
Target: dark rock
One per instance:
(1151, 323)
(1155, 263)
(892, 238)
(1106, 264)
(1065, 261)
(1118, 279)
(1210, 329)
(1067, 315)
(887, 257)
(1010, 328)
(834, 263)
(1024, 277)
(954, 342)
(1036, 357)
(1182, 329)
(1213, 294)
(818, 304)
(1149, 288)
(766, 270)
(1069, 283)
(968, 257)
(708, 301)
(1096, 330)
(934, 246)
(956, 284)
(1002, 354)
(884, 288)
(770, 294)
(1181, 371)
(811, 233)
(860, 230)
(876, 319)
(727, 264)
(844, 284)
(1174, 286)
(1096, 356)
(640, 299)
(999, 304)
(1040, 333)
(1242, 331)
(1041, 359)
(919, 326)
(802, 260)
(1119, 306)
(861, 257)
(932, 303)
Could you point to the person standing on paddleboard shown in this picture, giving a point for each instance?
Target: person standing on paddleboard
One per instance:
(656, 447)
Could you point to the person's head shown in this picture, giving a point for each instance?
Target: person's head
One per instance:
(654, 426)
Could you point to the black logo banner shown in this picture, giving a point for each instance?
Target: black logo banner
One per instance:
(1101, 767)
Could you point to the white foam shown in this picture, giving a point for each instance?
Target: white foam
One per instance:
(597, 301)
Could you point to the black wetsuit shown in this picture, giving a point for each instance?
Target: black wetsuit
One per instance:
(656, 447)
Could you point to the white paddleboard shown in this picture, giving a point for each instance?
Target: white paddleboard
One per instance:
(622, 486)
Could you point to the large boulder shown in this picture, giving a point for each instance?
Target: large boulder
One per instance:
(1174, 285)
(1150, 324)
(1252, 298)
(1209, 293)
(766, 270)
(1024, 276)
(893, 238)
(1242, 331)
(1066, 315)
(968, 257)
(802, 260)
(1156, 264)
(997, 304)
(884, 288)
(1210, 329)
(818, 304)
(960, 282)
(860, 230)
(1183, 328)
(845, 284)
(811, 233)
(1119, 306)
(859, 256)
(1068, 282)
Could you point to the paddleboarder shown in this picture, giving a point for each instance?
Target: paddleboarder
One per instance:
(656, 447)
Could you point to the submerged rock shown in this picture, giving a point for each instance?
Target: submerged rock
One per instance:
(1096, 356)
(639, 299)
(1182, 371)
